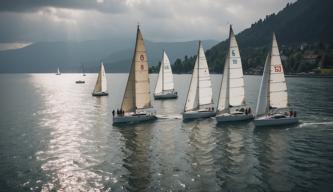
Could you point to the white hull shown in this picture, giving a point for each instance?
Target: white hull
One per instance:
(198, 114)
(132, 118)
(233, 117)
(267, 121)
(98, 94)
(172, 95)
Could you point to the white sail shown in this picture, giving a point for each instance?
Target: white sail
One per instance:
(165, 77)
(232, 88)
(205, 85)
(200, 92)
(192, 101)
(223, 104)
(101, 83)
(262, 101)
(58, 71)
(273, 89)
(103, 79)
(278, 97)
(137, 93)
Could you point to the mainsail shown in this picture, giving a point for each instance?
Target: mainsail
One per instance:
(137, 92)
(232, 87)
(165, 77)
(101, 84)
(200, 92)
(273, 89)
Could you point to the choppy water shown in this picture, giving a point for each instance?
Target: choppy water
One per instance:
(55, 136)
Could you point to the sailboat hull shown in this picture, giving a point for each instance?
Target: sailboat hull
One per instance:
(130, 119)
(99, 94)
(233, 117)
(172, 95)
(267, 121)
(198, 114)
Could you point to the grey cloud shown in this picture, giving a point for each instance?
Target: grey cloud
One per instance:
(161, 20)
(34, 5)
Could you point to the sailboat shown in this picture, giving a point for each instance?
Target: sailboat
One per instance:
(81, 81)
(165, 87)
(83, 73)
(272, 104)
(199, 102)
(101, 84)
(231, 105)
(136, 105)
(58, 72)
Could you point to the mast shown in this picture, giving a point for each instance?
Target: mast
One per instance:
(162, 65)
(198, 79)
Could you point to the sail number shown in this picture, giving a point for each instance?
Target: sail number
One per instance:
(233, 52)
(277, 68)
(142, 57)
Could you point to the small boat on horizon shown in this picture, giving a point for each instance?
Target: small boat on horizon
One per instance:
(272, 105)
(165, 86)
(81, 81)
(58, 72)
(199, 101)
(101, 83)
(231, 105)
(136, 105)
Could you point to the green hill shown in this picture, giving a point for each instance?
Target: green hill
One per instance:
(304, 29)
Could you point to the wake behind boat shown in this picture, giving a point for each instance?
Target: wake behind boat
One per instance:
(136, 106)
(101, 83)
(199, 102)
(231, 105)
(165, 87)
(272, 106)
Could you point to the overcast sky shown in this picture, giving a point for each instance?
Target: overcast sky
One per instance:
(24, 21)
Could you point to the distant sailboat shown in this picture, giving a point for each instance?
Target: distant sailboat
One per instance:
(231, 105)
(199, 102)
(101, 83)
(81, 81)
(272, 104)
(83, 73)
(165, 87)
(136, 105)
(58, 72)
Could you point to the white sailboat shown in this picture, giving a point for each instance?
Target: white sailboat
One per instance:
(81, 81)
(101, 83)
(83, 73)
(272, 104)
(165, 87)
(58, 72)
(231, 105)
(136, 105)
(199, 102)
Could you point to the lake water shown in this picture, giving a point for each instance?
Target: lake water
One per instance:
(55, 136)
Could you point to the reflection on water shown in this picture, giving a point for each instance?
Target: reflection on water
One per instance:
(64, 140)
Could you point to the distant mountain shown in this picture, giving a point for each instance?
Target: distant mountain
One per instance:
(70, 56)
(302, 22)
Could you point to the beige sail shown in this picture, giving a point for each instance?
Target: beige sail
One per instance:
(101, 84)
(137, 93)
